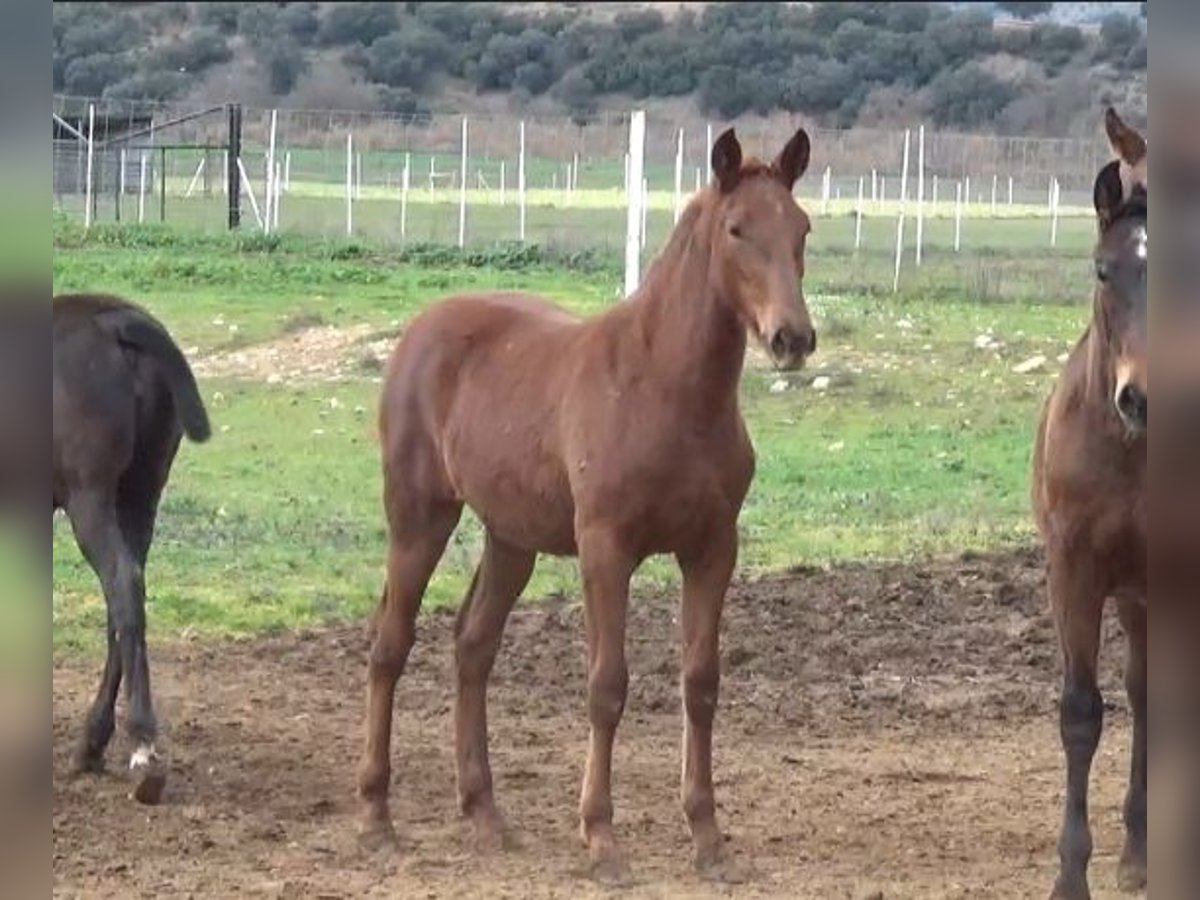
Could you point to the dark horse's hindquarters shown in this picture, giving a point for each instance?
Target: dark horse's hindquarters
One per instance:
(124, 396)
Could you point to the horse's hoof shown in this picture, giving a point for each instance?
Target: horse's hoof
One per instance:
(149, 775)
(86, 762)
(374, 837)
(713, 865)
(612, 872)
(1131, 875)
(490, 834)
(1065, 890)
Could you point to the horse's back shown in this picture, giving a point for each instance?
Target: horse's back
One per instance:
(470, 411)
(509, 332)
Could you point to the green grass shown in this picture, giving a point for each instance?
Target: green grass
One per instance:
(920, 445)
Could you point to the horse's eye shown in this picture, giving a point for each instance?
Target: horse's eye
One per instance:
(735, 230)
(1101, 271)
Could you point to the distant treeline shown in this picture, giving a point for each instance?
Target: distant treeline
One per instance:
(830, 61)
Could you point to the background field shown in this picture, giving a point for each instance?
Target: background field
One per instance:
(919, 445)
(887, 711)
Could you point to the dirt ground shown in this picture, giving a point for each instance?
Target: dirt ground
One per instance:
(884, 732)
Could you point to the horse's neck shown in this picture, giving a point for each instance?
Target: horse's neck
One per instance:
(695, 340)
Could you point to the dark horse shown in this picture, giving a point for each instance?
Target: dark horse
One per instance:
(1089, 496)
(124, 396)
(612, 439)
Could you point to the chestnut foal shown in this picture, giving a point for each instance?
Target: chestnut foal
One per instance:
(1089, 496)
(612, 439)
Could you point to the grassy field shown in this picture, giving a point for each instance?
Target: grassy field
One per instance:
(919, 445)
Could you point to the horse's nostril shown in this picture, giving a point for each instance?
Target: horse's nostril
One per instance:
(779, 343)
(1132, 405)
(812, 340)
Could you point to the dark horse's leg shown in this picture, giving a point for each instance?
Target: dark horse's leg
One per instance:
(502, 575)
(706, 575)
(417, 540)
(1078, 610)
(1132, 874)
(98, 530)
(606, 568)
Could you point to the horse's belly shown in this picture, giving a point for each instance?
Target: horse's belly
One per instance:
(524, 501)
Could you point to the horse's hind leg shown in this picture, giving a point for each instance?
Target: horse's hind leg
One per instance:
(98, 530)
(1132, 873)
(413, 554)
(1078, 609)
(502, 575)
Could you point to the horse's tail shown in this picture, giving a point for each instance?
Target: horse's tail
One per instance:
(137, 328)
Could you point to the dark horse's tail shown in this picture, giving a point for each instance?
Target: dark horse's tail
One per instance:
(137, 328)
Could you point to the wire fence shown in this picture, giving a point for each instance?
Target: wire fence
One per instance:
(481, 180)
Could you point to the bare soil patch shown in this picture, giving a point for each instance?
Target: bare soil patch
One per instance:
(884, 731)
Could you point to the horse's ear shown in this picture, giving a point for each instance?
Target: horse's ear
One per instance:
(727, 160)
(1126, 143)
(792, 160)
(1108, 193)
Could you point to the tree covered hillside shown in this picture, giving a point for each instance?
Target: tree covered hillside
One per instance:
(838, 63)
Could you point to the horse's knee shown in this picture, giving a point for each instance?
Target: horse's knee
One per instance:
(389, 653)
(701, 683)
(1081, 717)
(608, 686)
(474, 654)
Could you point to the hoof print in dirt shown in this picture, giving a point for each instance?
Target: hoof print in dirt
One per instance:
(378, 838)
(612, 873)
(721, 870)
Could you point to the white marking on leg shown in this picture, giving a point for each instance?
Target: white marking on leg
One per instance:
(143, 756)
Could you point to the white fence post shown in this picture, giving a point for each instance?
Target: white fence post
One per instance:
(958, 198)
(634, 199)
(462, 189)
(1054, 215)
(826, 179)
(287, 170)
(858, 215)
(967, 190)
(1010, 192)
(900, 218)
(270, 193)
(142, 188)
(249, 192)
(121, 174)
(679, 176)
(349, 184)
(874, 186)
(405, 179)
(521, 182)
(88, 184)
(278, 184)
(920, 192)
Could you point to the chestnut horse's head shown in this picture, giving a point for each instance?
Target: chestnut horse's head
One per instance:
(1120, 259)
(758, 246)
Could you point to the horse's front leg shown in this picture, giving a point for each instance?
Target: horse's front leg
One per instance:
(706, 575)
(1078, 607)
(606, 569)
